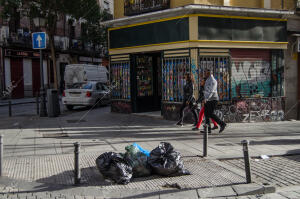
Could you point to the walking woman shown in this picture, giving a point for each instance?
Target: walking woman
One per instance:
(201, 113)
(188, 99)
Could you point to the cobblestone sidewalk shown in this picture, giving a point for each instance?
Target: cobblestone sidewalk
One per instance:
(58, 169)
(279, 171)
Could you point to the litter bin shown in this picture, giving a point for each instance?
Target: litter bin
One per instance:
(53, 103)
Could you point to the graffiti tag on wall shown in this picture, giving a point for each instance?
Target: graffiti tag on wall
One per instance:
(250, 78)
(252, 110)
(121, 107)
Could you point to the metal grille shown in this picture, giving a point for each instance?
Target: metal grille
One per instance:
(173, 71)
(120, 78)
(221, 70)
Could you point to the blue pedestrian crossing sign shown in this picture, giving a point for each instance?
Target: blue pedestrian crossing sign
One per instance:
(39, 40)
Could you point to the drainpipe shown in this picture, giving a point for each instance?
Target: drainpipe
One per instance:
(282, 4)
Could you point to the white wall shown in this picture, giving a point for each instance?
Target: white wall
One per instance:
(226, 2)
(111, 5)
(267, 4)
(27, 71)
(7, 72)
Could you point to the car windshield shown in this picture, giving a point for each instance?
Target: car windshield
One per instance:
(82, 86)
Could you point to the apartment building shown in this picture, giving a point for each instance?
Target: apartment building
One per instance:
(20, 64)
(250, 45)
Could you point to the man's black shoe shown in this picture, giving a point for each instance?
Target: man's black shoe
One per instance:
(214, 128)
(223, 126)
(204, 131)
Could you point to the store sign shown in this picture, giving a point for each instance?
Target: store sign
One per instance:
(134, 7)
(90, 59)
(19, 53)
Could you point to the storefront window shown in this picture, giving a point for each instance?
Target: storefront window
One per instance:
(120, 80)
(173, 71)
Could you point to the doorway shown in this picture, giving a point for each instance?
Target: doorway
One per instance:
(17, 78)
(36, 77)
(147, 82)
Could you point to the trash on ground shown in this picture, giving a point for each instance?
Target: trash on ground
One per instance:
(174, 185)
(264, 157)
(138, 160)
(166, 162)
(147, 153)
(114, 166)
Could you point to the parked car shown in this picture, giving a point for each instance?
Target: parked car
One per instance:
(86, 94)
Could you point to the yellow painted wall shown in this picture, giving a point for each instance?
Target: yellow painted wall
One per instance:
(287, 5)
(246, 3)
(118, 9)
(209, 2)
(178, 3)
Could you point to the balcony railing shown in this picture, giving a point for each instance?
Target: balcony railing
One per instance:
(135, 7)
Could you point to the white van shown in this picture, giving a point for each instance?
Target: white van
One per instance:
(75, 73)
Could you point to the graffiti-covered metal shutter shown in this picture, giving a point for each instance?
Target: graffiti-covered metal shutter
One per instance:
(175, 64)
(219, 61)
(120, 76)
(250, 73)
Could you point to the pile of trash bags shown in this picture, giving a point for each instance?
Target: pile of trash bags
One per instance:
(138, 162)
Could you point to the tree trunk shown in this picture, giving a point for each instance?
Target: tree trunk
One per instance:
(51, 41)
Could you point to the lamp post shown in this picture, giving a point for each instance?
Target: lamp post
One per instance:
(40, 22)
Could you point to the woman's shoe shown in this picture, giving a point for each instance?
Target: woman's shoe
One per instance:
(195, 129)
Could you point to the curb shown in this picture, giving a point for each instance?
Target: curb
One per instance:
(19, 103)
(82, 190)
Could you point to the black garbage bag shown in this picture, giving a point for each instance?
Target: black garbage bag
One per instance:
(166, 162)
(113, 166)
(138, 161)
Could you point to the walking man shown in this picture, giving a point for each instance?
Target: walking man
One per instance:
(211, 99)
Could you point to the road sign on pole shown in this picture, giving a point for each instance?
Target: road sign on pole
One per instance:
(39, 40)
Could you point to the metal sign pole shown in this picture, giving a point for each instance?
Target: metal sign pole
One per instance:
(43, 108)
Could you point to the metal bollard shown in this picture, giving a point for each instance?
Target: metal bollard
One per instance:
(37, 105)
(245, 144)
(9, 108)
(205, 144)
(1, 154)
(77, 174)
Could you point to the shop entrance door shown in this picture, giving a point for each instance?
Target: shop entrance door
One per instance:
(147, 83)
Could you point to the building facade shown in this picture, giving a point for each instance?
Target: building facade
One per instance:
(152, 44)
(20, 64)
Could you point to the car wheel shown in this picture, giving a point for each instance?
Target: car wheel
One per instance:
(70, 107)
